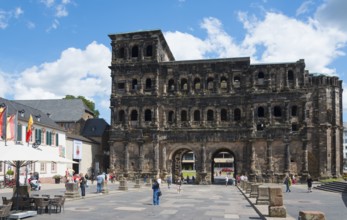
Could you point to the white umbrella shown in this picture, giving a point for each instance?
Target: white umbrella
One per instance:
(21, 155)
(26, 154)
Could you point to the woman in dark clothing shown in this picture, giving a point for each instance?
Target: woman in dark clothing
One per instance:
(83, 182)
(309, 183)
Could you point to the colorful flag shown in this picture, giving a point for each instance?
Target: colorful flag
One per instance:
(10, 127)
(2, 122)
(29, 130)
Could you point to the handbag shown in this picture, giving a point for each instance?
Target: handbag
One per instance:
(159, 193)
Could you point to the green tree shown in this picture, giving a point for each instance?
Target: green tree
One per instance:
(88, 103)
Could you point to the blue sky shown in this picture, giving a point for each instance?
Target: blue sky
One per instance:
(50, 48)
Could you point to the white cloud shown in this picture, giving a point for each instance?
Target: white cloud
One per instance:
(61, 11)
(76, 72)
(48, 3)
(333, 13)
(6, 16)
(304, 7)
(287, 39)
(17, 12)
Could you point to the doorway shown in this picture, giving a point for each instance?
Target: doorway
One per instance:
(183, 166)
(223, 165)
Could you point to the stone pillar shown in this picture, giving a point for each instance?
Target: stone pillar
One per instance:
(254, 190)
(287, 155)
(156, 156)
(248, 187)
(276, 208)
(203, 173)
(305, 156)
(270, 171)
(311, 215)
(126, 158)
(123, 184)
(164, 159)
(137, 183)
(252, 175)
(141, 156)
(263, 196)
(71, 190)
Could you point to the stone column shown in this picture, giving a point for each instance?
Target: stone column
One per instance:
(270, 171)
(164, 159)
(123, 185)
(305, 156)
(156, 155)
(252, 176)
(141, 156)
(203, 172)
(126, 157)
(287, 155)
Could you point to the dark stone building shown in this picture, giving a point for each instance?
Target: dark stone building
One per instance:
(272, 118)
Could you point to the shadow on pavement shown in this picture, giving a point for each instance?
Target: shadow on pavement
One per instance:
(344, 198)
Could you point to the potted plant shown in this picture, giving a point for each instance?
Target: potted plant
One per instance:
(57, 178)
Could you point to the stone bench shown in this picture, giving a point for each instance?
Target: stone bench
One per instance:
(276, 208)
(263, 196)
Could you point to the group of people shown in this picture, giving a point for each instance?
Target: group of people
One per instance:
(289, 180)
(34, 181)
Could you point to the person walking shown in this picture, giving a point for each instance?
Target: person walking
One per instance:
(82, 182)
(226, 180)
(288, 182)
(179, 184)
(99, 181)
(169, 181)
(156, 191)
(309, 183)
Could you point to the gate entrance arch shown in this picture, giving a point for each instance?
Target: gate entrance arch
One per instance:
(223, 164)
(183, 165)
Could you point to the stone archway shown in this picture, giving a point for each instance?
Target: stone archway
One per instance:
(182, 163)
(223, 164)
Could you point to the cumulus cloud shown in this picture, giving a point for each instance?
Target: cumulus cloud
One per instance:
(304, 7)
(76, 72)
(333, 13)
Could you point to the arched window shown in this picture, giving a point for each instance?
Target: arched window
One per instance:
(148, 83)
(184, 115)
(223, 115)
(149, 51)
(261, 78)
(261, 112)
(171, 116)
(197, 84)
(184, 84)
(210, 83)
(135, 51)
(294, 110)
(134, 84)
(277, 111)
(133, 115)
(196, 115)
(237, 79)
(121, 116)
(148, 115)
(122, 53)
(223, 82)
(290, 75)
(237, 114)
(210, 115)
(171, 85)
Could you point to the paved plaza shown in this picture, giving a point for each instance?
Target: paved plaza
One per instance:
(200, 202)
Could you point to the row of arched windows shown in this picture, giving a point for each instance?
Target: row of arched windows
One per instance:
(197, 84)
(134, 52)
(197, 116)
